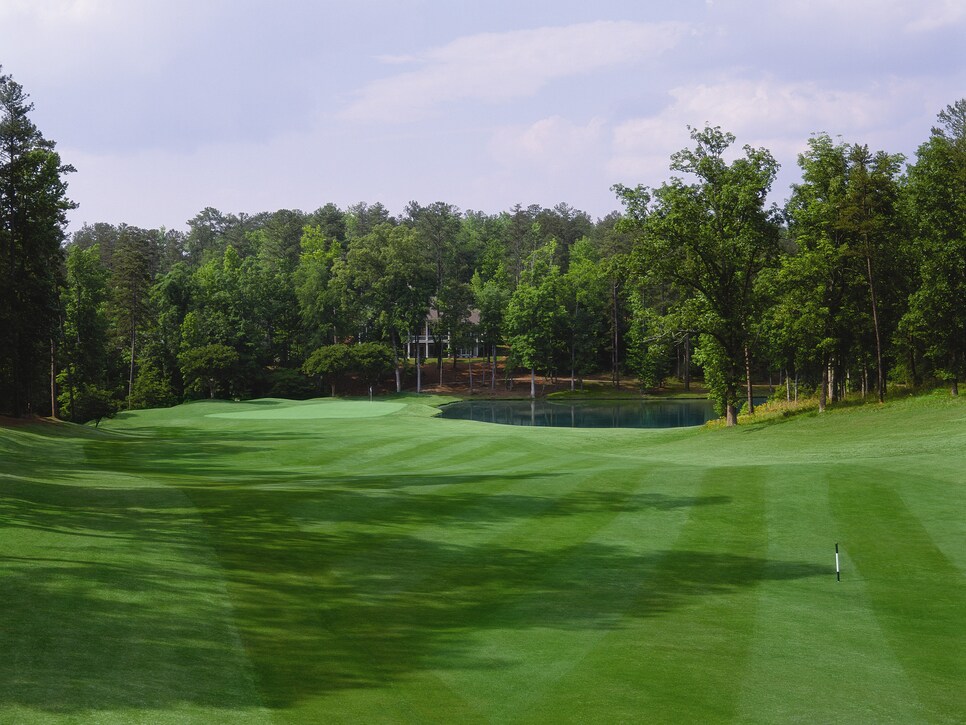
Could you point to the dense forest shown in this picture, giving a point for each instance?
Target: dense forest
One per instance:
(857, 283)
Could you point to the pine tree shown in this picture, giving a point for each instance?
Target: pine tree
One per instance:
(33, 208)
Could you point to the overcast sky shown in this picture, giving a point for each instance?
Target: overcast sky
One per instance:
(168, 106)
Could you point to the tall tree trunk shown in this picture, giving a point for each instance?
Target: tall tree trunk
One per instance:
(750, 391)
(53, 379)
(573, 371)
(533, 383)
(616, 355)
(788, 387)
(954, 390)
(130, 379)
(823, 387)
(70, 391)
(469, 362)
(731, 415)
(493, 372)
(687, 362)
(880, 373)
(419, 369)
(394, 338)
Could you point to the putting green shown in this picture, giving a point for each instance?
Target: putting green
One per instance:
(317, 411)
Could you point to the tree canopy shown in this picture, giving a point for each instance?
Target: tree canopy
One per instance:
(858, 283)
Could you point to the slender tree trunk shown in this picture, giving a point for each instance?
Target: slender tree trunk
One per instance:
(616, 356)
(130, 379)
(750, 391)
(493, 373)
(470, 363)
(880, 373)
(687, 362)
(533, 383)
(419, 370)
(823, 387)
(954, 387)
(395, 354)
(493, 370)
(53, 380)
(70, 391)
(573, 366)
(788, 387)
(830, 382)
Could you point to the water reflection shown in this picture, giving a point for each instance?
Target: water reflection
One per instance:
(585, 414)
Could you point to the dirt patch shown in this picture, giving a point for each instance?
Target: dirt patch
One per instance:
(8, 422)
(515, 385)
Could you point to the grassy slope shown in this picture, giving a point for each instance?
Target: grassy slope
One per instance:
(405, 568)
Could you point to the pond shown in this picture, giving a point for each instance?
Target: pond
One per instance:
(585, 413)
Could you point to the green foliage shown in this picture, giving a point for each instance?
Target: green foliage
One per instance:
(534, 313)
(33, 208)
(330, 362)
(87, 402)
(936, 194)
(840, 293)
(318, 300)
(208, 369)
(290, 384)
(491, 297)
(865, 281)
(152, 389)
(372, 360)
(584, 295)
(649, 346)
(84, 347)
(710, 239)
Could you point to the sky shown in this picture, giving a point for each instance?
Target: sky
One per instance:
(166, 107)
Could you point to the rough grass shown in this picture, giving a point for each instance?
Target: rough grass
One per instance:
(174, 566)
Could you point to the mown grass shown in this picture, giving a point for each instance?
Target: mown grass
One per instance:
(174, 566)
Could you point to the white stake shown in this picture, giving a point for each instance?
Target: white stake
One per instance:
(838, 575)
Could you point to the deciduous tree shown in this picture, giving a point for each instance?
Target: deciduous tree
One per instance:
(710, 239)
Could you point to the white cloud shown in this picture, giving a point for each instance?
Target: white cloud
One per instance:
(897, 15)
(502, 66)
(779, 116)
(552, 143)
(62, 40)
(938, 14)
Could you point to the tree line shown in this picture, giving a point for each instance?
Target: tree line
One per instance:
(857, 282)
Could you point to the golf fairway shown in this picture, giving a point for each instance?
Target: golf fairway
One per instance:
(283, 562)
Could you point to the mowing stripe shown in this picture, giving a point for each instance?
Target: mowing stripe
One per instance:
(918, 596)
(679, 652)
(818, 651)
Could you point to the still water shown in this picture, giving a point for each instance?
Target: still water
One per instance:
(585, 413)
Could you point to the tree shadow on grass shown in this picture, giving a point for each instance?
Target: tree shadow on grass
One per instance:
(88, 634)
(138, 618)
(279, 587)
